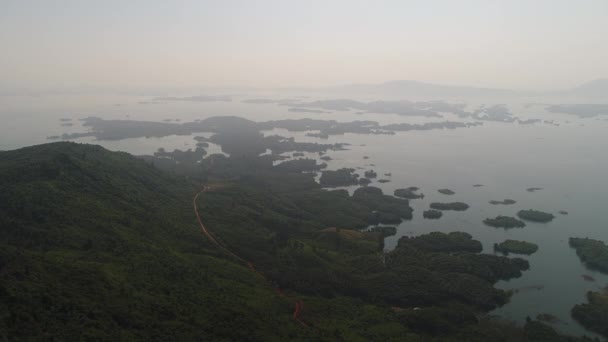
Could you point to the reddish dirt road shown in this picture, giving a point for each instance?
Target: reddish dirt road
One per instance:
(299, 305)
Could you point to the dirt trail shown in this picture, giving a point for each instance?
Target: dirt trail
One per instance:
(299, 305)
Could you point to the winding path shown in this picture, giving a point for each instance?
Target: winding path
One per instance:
(299, 305)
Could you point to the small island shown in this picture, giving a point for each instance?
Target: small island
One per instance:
(386, 209)
(593, 253)
(364, 181)
(516, 246)
(326, 158)
(370, 174)
(563, 212)
(594, 314)
(503, 202)
(446, 191)
(432, 214)
(533, 189)
(535, 216)
(477, 185)
(383, 180)
(504, 222)
(409, 193)
(340, 177)
(456, 206)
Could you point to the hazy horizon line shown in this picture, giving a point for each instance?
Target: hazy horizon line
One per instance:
(13, 89)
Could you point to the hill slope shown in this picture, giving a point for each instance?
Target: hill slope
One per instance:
(99, 245)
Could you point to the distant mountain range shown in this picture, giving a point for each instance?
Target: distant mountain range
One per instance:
(596, 88)
(593, 90)
(417, 88)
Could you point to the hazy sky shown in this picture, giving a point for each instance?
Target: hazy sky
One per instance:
(518, 44)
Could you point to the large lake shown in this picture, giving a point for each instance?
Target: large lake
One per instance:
(569, 161)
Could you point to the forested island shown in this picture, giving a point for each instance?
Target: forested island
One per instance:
(593, 315)
(364, 181)
(432, 214)
(594, 253)
(386, 209)
(535, 216)
(340, 177)
(370, 174)
(409, 193)
(102, 129)
(446, 191)
(516, 246)
(504, 222)
(456, 206)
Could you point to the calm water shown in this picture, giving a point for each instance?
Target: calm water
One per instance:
(568, 161)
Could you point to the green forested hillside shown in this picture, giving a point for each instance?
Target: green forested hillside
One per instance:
(99, 245)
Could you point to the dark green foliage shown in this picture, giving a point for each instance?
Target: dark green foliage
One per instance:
(537, 331)
(504, 222)
(446, 191)
(441, 242)
(340, 177)
(515, 246)
(388, 209)
(364, 181)
(594, 253)
(594, 314)
(98, 245)
(432, 214)
(457, 206)
(180, 156)
(535, 216)
(430, 269)
(370, 174)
